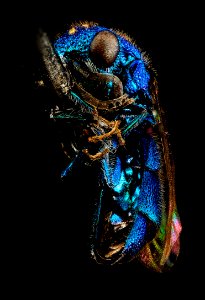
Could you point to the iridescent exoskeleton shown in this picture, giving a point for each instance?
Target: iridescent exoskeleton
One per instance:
(110, 105)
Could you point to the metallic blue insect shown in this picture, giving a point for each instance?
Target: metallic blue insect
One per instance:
(109, 106)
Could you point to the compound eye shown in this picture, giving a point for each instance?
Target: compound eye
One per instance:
(104, 49)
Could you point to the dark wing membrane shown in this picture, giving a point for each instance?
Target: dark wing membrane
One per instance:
(161, 253)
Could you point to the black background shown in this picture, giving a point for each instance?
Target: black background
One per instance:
(48, 226)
